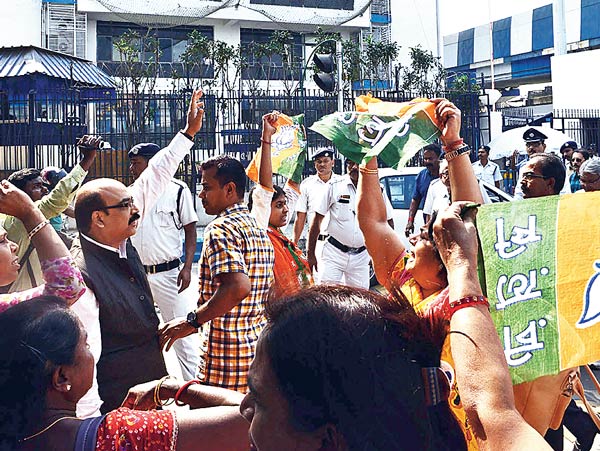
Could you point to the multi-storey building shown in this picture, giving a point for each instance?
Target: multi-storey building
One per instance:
(89, 28)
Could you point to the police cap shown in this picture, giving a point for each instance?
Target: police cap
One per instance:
(533, 135)
(147, 150)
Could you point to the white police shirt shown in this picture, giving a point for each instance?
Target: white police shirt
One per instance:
(340, 202)
(160, 234)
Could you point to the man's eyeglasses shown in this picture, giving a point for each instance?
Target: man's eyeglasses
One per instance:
(127, 203)
(533, 144)
(532, 175)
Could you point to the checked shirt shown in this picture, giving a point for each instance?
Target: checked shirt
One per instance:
(234, 242)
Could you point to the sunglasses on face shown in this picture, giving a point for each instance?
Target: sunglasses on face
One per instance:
(532, 175)
(577, 160)
(127, 203)
(533, 144)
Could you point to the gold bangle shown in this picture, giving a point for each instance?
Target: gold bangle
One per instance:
(368, 171)
(157, 401)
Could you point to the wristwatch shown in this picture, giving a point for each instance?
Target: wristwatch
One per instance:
(192, 320)
(449, 156)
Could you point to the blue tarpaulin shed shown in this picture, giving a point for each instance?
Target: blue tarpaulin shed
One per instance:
(32, 68)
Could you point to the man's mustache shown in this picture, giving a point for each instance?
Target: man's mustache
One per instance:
(134, 217)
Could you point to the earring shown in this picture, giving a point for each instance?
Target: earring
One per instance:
(68, 387)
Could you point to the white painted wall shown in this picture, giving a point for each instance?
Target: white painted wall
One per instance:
(21, 23)
(520, 36)
(482, 50)
(575, 80)
(414, 23)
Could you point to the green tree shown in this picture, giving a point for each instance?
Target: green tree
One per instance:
(463, 84)
(136, 75)
(425, 75)
(197, 53)
(378, 57)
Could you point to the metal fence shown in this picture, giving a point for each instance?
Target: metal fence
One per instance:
(39, 130)
(581, 125)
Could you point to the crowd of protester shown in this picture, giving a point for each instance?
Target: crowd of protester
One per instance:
(294, 352)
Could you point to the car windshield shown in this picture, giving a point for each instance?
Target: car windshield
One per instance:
(399, 189)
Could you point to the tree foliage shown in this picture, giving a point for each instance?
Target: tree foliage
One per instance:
(425, 74)
(137, 73)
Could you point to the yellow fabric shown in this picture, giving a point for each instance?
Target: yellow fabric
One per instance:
(412, 290)
(369, 104)
(284, 144)
(575, 268)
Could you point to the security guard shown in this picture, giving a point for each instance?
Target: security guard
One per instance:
(158, 242)
(534, 143)
(345, 258)
(312, 190)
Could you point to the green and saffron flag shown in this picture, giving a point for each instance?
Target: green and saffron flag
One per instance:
(541, 271)
(394, 132)
(288, 149)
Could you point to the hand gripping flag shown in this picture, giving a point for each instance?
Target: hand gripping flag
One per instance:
(288, 149)
(541, 271)
(393, 131)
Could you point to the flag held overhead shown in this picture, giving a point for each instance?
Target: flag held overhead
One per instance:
(395, 132)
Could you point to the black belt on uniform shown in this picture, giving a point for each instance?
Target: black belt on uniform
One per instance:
(153, 269)
(322, 237)
(344, 248)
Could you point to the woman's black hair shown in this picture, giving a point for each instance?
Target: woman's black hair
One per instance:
(277, 192)
(353, 358)
(37, 336)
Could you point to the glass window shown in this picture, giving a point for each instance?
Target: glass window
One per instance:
(400, 189)
(104, 48)
(166, 50)
(177, 49)
(172, 41)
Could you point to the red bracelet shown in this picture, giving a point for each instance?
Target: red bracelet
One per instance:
(468, 301)
(266, 142)
(454, 145)
(183, 388)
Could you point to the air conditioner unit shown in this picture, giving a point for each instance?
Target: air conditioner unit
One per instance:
(65, 38)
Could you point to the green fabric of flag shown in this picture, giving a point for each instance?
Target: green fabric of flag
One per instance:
(520, 274)
(395, 139)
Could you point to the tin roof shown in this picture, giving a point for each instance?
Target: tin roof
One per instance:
(26, 60)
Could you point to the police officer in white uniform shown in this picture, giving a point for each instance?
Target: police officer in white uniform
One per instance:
(534, 143)
(312, 190)
(345, 259)
(159, 241)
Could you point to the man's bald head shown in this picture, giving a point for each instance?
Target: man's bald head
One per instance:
(91, 197)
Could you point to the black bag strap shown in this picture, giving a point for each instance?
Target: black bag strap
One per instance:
(87, 434)
(179, 192)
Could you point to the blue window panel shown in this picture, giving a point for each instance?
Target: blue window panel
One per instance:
(380, 19)
(531, 67)
(61, 2)
(590, 19)
(502, 37)
(542, 34)
(465, 47)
